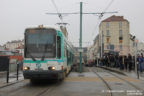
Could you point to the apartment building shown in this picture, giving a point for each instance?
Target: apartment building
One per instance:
(114, 35)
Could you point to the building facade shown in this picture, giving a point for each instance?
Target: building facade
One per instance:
(114, 35)
(140, 48)
(14, 44)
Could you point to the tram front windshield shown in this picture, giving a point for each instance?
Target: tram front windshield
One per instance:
(40, 43)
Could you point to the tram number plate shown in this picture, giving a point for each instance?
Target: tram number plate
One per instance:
(38, 69)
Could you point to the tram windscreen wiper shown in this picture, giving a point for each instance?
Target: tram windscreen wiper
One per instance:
(46, 46)
(30, 55)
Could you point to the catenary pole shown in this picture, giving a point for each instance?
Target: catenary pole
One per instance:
(80, 40)
(136, 65)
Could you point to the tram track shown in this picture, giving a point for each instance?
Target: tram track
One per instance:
(104, 81)
(118, 77)
(42, 93)
(131, 84)
(30, 89)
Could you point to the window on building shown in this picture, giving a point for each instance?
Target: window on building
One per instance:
(108, 39)
(120, 47)
(107, 33)
(111, 47)
(120, 24)
(120, 39)
(108, 46)
(107, 25)
(120, 33)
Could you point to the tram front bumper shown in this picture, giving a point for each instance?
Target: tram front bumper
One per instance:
(45, 74)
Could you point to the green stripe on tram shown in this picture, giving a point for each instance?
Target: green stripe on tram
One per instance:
(45, 61)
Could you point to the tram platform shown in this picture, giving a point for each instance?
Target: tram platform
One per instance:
(12, 78)
(132, 73)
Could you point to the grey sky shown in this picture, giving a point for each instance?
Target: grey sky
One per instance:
(16, 15)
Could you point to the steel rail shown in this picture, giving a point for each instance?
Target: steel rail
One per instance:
(104, 81)
(43, 92)
(136, 87)
(49, 89)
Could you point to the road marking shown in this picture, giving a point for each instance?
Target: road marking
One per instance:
(96, 79)
(112, 79)
(82, 79)
(131, 79)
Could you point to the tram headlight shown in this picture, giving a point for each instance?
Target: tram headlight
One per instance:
(26, 68)
(51, 68)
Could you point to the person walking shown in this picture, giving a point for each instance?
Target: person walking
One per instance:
(125, 63)
(117, 61)
(130, 62)
(108, 58)
(112, 60)
(140, 61)
(121, 62)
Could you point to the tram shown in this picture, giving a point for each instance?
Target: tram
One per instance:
(47, 53)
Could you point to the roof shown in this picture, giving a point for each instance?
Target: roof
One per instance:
(17, 57)
(20, 47)
(114, 18)
(44, 26)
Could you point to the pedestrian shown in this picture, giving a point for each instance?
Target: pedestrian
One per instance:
(121, 62)
(117, 61)
(140, 61)
(125, 62)
(130, 62)
(133, 63)
(108, 60)
(112, 60)
(95, 62)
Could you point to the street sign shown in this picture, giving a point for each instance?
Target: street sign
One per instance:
(80, 50)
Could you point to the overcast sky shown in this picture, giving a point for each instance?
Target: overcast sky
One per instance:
(16, 15)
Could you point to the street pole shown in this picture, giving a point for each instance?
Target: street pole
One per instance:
(136, 65)
(80, 40)
(102, 44)
(17, 70)
(7, 79)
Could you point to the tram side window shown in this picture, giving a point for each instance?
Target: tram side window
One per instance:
(58, 47)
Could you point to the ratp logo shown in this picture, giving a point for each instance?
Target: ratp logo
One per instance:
(38, 64)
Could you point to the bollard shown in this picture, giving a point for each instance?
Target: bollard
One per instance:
(7, 80)
(17, 70)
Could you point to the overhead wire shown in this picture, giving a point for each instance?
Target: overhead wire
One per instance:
(99, 18)
(59, 14)
(108, 5)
